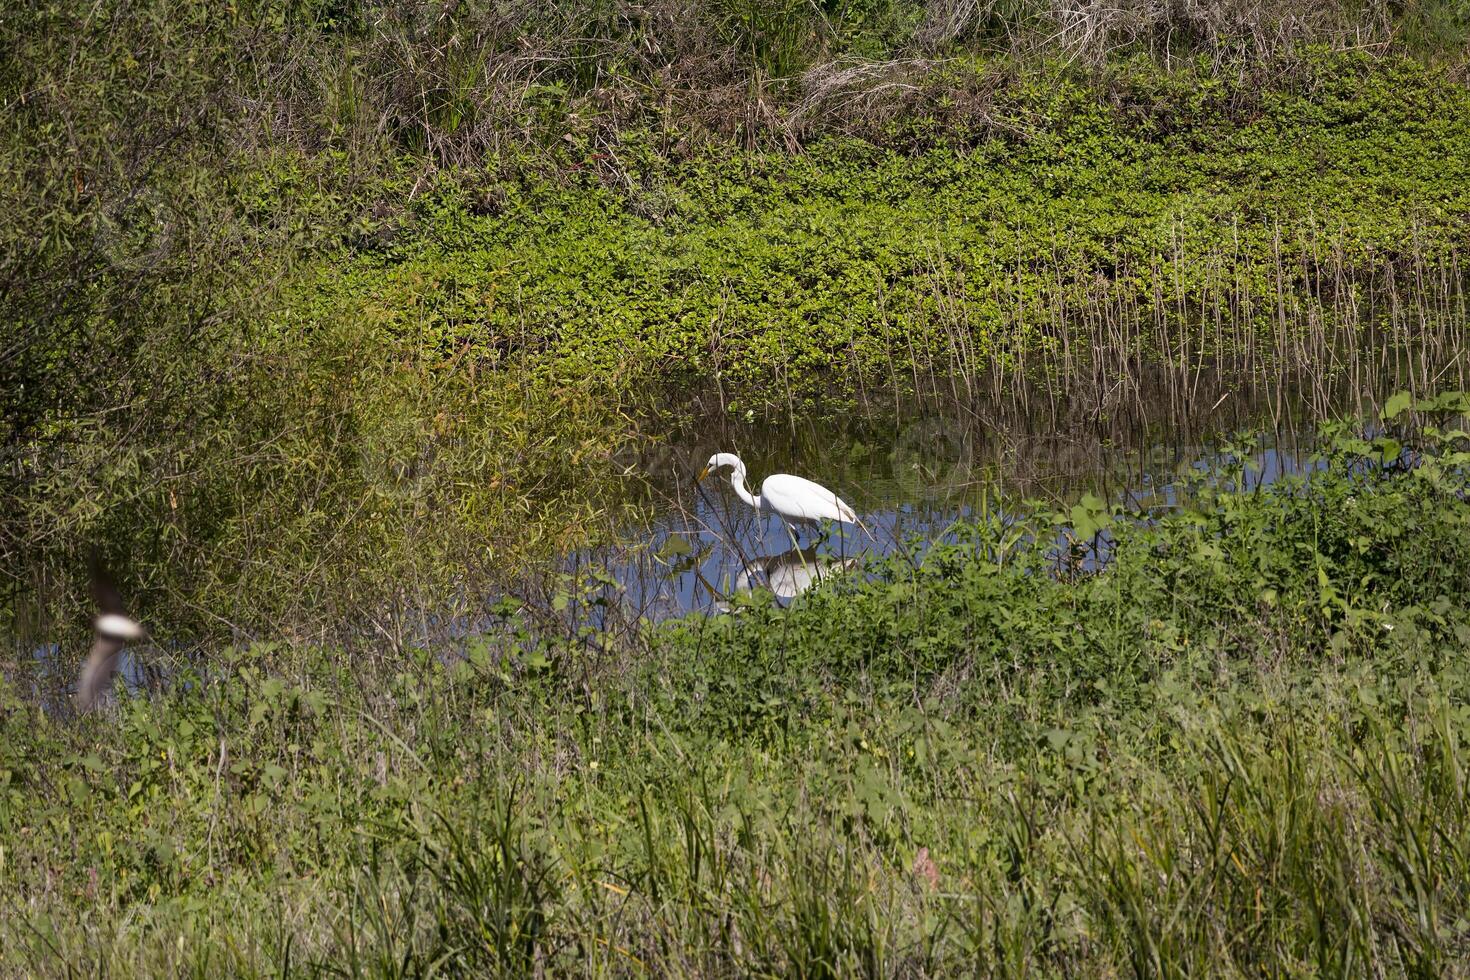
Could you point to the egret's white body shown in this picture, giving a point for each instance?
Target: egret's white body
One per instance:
(797, 500)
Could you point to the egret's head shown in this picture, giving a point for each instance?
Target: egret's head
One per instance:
(719, 460)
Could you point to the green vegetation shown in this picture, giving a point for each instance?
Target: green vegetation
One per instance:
(1083, 237)
(321, 319)
(168, 170)
(365, 314)
(1239, 747)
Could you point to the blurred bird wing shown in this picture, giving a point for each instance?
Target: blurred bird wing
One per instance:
(97, 671)
(111, 629)
(116, 626)
(798, 499)
(104, 592)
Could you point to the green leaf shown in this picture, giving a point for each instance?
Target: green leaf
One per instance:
(675, 546)
(1396, 405)
(1090, 516)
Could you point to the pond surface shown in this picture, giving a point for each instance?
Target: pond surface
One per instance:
(910, 474)
(910, 481)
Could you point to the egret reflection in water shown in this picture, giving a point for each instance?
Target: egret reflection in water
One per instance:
(708, 563)
(914, 487)
(792, 572)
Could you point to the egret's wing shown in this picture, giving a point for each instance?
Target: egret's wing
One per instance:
(800, 499)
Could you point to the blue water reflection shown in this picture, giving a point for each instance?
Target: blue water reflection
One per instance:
(707, 546)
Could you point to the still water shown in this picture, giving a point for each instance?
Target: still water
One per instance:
(910, 483)
(910, 475)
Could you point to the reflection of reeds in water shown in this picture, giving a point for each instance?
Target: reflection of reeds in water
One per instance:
(950, 452)
(1317, 325)
(914, 467)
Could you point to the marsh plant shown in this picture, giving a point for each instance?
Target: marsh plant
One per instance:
(1238, 745)
(334, 326)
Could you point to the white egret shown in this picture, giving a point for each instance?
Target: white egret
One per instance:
(796, 500)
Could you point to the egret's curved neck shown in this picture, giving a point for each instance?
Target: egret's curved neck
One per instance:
(737, 480)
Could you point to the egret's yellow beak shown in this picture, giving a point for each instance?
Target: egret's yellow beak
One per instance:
(703, 473)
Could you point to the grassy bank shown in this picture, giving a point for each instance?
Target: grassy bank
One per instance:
(1239, 747)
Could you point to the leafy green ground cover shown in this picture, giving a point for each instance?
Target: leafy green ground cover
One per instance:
(280, 332)
(453, 359)
(1238, 748)
(860, 265)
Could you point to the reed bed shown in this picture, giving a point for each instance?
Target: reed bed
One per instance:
(1316, 332)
